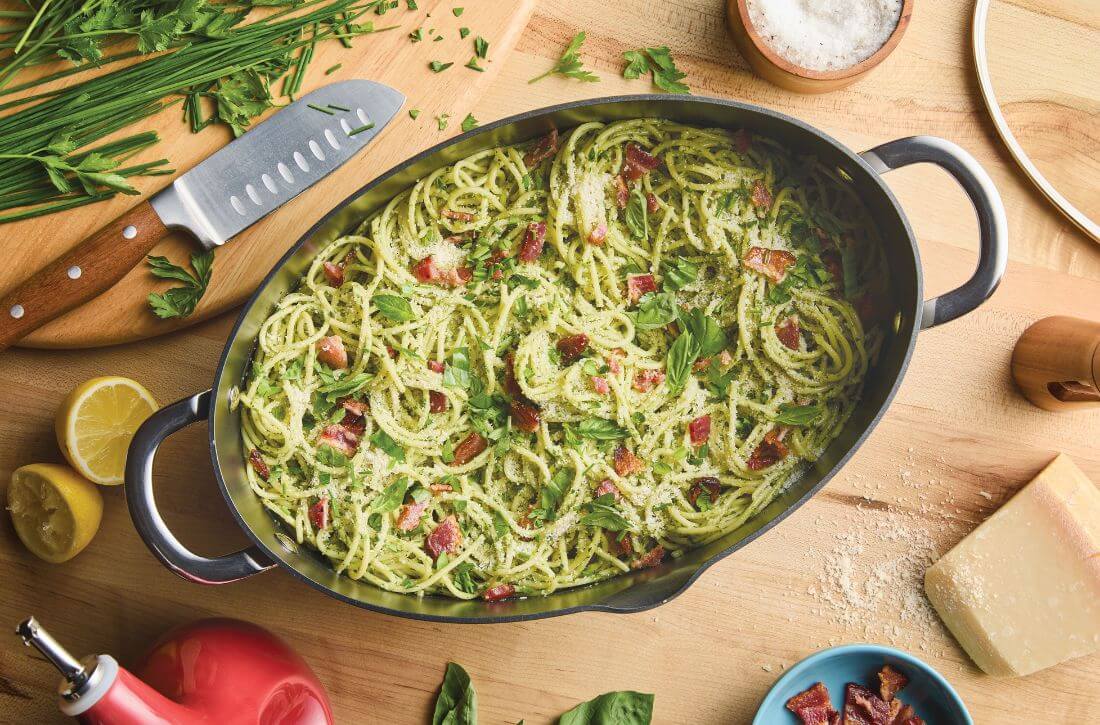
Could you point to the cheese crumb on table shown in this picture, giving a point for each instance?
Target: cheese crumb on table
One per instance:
(825, 35)
(1022, 591)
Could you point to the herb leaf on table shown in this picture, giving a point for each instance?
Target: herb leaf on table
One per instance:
(570, 64)
(657, 61)
(457, 701)
(180, 301)
(612, 708)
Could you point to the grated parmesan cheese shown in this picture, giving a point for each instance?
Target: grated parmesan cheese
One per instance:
(825, 35)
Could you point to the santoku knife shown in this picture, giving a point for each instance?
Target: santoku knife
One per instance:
(225, 194)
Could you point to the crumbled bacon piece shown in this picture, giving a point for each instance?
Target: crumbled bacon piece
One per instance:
(600, 385)
(789, 333)
(598, 234)
(615, 361)
(651, 204)
(835, 268)
(890, 682)
(742, 140)
(437, 401)
(340, 438)
(543, 149)
(608, 486)
(511, 385)
(530, 249)
(638, 285)
(330, 351)
(772, 263)
(500, 591)
(408, 518)
(863, 707)
(258, 464)
(427, 272)
(436, 366)
(354, 424)
(470, 448)
(637, 163)
(525, 416)
(622, 194)
(700, 365)
(760, 196)
(459, 239)
(438, 488)
(444, 538)
(572, 347)
(771, 450)
(704, 484)
(462, 216)
(318, 514)
(819, 716)
(651, 558)
(816, 696)
(355, 407)
(699, 430)
(646, 380)
(626, 463)
(333, 273)
(621, 546)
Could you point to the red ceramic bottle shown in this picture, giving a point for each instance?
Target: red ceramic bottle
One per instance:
(220, 671)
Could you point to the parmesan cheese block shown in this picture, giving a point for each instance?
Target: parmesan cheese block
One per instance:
(1022, 591)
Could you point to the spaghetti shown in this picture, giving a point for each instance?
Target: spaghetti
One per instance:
(543, 366)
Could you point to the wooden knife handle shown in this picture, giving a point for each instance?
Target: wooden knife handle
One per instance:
(83, 273)
(1056, 363)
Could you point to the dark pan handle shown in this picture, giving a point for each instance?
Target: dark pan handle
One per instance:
(992, 222)
(147, 519)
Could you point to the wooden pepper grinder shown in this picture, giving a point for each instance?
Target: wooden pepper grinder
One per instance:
(1056, 363)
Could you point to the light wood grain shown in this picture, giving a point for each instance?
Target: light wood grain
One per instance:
(389, 57)
(957, 442)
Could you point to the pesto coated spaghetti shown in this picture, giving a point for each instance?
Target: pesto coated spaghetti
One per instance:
(541, 367)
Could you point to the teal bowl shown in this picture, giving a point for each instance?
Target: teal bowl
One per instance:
(934, 700)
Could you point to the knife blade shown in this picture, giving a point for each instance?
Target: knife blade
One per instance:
(224, 194)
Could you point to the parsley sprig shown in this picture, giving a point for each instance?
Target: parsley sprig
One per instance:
(658, 61)
(570, 65)
(180, 301)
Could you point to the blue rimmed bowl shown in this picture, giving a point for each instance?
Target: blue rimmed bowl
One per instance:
(933, 698)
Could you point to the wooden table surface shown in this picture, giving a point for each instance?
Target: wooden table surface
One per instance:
(957, 442)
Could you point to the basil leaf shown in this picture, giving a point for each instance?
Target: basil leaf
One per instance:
(612, 708)
(382, 439)
(603, 512)
(637, 214)
(656, 310)
(500, 526)
(462, 576)
(554, 490)
(394, 307)
(798, 414)
(391, 497)
(636, 65)
(333, 388)
(457, 701)
(706, 331)
(683, 352)
(599, 429)
(457, 372)
(679, 274)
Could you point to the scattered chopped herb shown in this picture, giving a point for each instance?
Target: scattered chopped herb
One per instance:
(413, 113)
(439, 67)
(481, 47)
(442, 120)
(180, 301)
(469, 123)
(333, 68)
(570, 65)
(457, 701)
(458, 12)
(319, 108)
(417, 35)
(666, 75)
(411, 4)
(361, 129)
(463, 33)
(603, 512)
(472, 65)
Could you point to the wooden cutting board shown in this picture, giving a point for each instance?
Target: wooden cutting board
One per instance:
(121, 314)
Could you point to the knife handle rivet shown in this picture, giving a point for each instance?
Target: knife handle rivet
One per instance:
(74, 272)
(129, 232)
(16, 311)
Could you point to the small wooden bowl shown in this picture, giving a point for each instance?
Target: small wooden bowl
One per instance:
(771, 67)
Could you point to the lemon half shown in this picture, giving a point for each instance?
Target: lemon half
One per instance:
(56, 512)
(96, 422)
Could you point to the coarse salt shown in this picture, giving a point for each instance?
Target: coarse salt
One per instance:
(825, 35)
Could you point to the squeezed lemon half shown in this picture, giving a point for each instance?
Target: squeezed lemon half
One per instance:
(96, 422)
(56, 512)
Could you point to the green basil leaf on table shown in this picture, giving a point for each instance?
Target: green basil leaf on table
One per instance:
(612, 708)
(457, 701)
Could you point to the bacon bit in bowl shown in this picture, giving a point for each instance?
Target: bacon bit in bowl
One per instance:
(789, 333)
(339, 438)
(699, 430)
(638, 285)
(258, 464)
(572, 347)
(760, 196)
(333, 273)
(437, 402)
(330, 351)
(771, 450)
(626, 463)
(525, 416)
(470, 448)
(530, 249)
(409, 516)
(445, 538)
(637, 163)
(499, 592)
(772, 263)
(600, 385)
(598, 234)
(646, 380)
(462, 216)
(318, 514)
